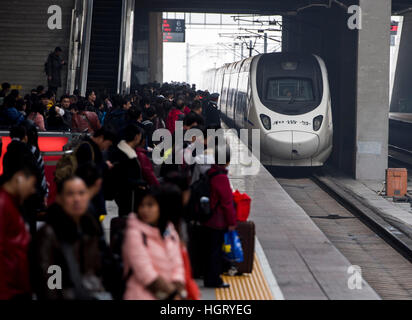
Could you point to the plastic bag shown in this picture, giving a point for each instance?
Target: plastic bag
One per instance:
(233, 247)
(242, 203)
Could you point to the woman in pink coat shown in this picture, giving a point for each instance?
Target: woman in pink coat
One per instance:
(151, 253)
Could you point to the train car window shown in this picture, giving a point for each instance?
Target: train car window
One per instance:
(289, 89)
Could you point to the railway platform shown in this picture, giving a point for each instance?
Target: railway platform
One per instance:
(305, 264)
(293, 257)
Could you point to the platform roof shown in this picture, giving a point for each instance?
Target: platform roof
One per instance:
(247, 6)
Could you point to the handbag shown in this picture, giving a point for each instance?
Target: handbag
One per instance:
(242, 204)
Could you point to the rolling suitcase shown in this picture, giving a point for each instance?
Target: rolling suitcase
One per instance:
(246, 231)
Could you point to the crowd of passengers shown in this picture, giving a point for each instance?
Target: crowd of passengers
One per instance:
(56, 247)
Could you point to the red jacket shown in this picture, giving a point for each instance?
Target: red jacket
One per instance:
(172, 117)
(146, 166)
(221, 200)
(14, 243)
(186, 110)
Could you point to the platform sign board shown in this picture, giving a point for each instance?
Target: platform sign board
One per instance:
(394, 32)
(173, 30)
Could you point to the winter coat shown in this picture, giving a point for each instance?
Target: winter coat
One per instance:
(173, 116)
(126, 177)
(59, 232)
(149, 128)
(212, 114)
(53, 69)
(116, 120)
(67, 118)
(85, 121)
(221, 200)
(14, 244)
(149, 255)
(89, 152)
(147, 167)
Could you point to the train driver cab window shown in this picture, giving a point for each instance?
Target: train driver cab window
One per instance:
(289, 89)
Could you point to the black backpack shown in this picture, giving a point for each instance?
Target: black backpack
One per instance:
(200, 198)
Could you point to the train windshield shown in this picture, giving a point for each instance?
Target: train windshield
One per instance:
(288, 83)
(289, 89)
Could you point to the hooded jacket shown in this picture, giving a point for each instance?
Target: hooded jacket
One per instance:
(149, 255)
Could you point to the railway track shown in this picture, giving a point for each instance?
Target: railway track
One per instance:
(400, 157)
(384, 266)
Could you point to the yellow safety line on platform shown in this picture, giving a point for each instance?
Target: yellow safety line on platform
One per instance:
(246, 287)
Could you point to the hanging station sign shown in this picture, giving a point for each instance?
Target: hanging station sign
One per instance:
(173, 30)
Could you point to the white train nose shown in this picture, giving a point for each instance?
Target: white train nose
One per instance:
(291, 145)
(278, 144)
(304, 145)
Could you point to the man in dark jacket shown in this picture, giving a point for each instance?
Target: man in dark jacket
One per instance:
(117, 119)
(91, 151)
(127, 179)
(212, 112)
(53, 69)
(65, 105)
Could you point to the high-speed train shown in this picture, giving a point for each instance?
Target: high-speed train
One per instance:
(287, 97)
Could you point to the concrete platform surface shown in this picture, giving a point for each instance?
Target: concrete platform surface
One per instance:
(304, 262)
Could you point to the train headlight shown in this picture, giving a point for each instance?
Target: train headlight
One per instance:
(317, 123)
(266, 121)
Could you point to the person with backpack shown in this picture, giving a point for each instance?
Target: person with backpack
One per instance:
(223, 218)
(59, 243)
(151, 252)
